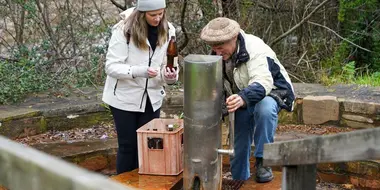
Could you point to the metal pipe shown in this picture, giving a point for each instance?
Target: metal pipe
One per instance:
(203, 88)
(231, 136)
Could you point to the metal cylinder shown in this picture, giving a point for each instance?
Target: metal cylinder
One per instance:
(203, 87)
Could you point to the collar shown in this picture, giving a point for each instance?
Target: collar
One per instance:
(242, 55)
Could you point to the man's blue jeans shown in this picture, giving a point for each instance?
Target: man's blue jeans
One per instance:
(259, 123)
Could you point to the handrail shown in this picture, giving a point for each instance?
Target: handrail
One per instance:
(299, 157)
(23, 168)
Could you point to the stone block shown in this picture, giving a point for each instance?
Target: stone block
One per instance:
(355, 124)
(320, 109)
(112, 162)
(357, 118)
(174, 99)
(21, 127)
(95, 163)
(366, 108)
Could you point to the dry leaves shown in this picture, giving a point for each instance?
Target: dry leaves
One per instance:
(313, 129)
(102, 131)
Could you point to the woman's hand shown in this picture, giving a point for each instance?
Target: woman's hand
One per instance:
(170, 74)
(152, 72)
(234, 102)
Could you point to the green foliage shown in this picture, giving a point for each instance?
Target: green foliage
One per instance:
(359, 24)
(349, 76)
(372, 80)
(92, 74)
(24, 76)
(349, 71)
(32, 72)
(350, 64)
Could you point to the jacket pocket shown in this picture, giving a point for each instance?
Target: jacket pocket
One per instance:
(156, 95)
(128, 91)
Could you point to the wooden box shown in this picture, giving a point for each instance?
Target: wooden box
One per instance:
(160, 151)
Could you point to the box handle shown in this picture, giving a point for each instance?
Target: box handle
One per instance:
(155, 143)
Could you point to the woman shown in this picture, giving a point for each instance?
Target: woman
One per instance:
(136, 73)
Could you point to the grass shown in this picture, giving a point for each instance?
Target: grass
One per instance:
(364, 79)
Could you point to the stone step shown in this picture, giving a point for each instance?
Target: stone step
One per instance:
(94, 155)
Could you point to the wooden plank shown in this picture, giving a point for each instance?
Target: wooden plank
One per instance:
(299, 177)
(23, 167)
(358, 145)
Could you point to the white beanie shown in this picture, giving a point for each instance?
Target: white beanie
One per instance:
(150, 5)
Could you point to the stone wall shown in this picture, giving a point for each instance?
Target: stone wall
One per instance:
(345, 105)
(333, 110)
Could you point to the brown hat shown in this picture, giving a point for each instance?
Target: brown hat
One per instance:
(220, 30)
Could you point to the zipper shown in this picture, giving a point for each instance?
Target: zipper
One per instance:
(114, 89)
(146, 81)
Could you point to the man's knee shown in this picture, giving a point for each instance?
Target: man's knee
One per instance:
(267, 107)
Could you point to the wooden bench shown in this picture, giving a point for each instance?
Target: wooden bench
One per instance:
(299, 158)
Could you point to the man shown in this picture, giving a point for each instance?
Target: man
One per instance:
(257, 87)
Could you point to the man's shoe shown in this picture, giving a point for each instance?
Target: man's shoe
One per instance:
(263, 174)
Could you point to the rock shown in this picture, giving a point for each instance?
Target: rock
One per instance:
(320, 109)
(355, 124)
(356, 106)
(357, 118)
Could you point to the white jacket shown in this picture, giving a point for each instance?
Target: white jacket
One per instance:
(121, 89)
(258, 73)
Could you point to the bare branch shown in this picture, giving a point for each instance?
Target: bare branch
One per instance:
(294, 76)
(297, 25)
(8, 59)
(352, 43)
(270, 8)
(118, 5)
(45, 18)
(99, 11)
(300, 59)
(184, 44)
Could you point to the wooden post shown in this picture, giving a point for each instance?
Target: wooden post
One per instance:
(299, 177)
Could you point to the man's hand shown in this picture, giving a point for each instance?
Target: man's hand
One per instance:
(234, 102)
